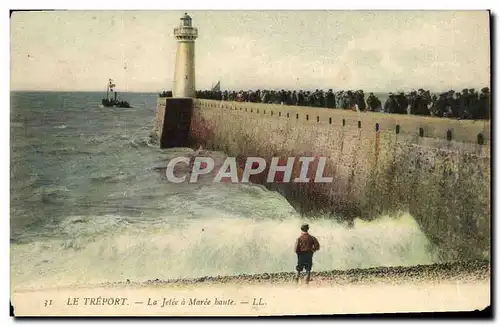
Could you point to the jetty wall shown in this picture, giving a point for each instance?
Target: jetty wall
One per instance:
(435, 168)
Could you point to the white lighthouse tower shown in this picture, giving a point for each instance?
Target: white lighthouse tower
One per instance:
(184, 79)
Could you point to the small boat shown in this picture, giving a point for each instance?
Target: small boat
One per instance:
(113, 101)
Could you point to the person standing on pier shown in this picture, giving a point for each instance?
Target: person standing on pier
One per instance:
(305, 247)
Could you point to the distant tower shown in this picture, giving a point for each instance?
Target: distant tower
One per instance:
(184, 79)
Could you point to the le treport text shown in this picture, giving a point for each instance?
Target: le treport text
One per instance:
(164, 302)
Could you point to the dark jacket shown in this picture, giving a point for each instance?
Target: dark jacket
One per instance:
(306, 243)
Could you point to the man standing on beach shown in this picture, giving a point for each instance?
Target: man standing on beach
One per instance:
(305, 246)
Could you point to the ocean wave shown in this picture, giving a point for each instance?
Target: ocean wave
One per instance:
(217, 245)
(19, 184)
(141, 142)
(112, 178)
(95, 140)
(72, 150)
(80, 226)
(51, 194)
(67, 150)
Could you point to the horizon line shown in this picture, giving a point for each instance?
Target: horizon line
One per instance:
(478, 88)
(73, 91)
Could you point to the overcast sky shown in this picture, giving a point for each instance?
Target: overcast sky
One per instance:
(370, 50)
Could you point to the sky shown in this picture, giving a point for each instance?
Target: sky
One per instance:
(369, 50)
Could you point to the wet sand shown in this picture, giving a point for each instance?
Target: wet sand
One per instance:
(460, 286)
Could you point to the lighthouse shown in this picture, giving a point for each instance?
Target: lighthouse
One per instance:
(184, 78)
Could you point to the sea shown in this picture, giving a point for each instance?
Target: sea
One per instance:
(89, 205)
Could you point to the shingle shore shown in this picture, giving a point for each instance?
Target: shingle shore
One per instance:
(468, 271)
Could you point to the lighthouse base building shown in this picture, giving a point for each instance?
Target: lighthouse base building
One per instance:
(174, 114)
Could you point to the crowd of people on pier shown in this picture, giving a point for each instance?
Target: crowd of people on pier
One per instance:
(467, 104)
